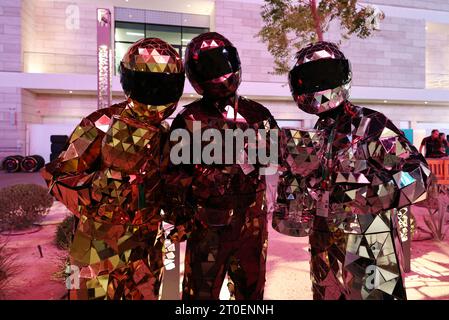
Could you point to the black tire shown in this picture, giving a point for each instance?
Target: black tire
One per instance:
(54, 156)
(57, 147)
(32, 163)
(11, 164)
(59, 139)
(28, 164)
(40, 161)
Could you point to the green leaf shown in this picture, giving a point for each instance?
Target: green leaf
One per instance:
(289, 25)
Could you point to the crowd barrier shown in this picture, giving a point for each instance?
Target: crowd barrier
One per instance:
(440, 168)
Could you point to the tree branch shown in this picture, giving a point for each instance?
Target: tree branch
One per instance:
(316, 19)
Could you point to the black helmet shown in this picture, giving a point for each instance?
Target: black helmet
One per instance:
(213, 65)
(321, 77)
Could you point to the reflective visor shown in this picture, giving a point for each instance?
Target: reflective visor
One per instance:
(153, 88)
(319, 75)
(214, 63)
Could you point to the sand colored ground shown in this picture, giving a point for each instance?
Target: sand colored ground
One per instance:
(287, 266)
(288, 269)
(36, 277)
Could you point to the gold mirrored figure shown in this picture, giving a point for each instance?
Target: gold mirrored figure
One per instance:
(109, 177)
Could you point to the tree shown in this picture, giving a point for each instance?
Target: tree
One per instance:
(289, 25)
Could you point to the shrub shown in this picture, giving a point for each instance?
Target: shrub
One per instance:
(437, 204)
(63, 265)
(63, 240)
(22, 205)
(64, 233)
(7, 269)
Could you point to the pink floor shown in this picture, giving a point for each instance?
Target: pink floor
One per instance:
(287, 267)
(36, 278)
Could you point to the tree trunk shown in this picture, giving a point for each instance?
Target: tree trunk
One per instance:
(316, 19)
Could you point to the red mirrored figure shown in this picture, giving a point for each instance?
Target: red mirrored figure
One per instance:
(344, 182)
(222, 207)
(109, 176)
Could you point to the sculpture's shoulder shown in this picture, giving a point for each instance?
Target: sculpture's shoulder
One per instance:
(253, 111)
(191, 110)
(104, 113)
(371, 124)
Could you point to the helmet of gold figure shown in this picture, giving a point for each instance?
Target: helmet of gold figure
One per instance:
(213, 65)
(152, 77)
(321, 78)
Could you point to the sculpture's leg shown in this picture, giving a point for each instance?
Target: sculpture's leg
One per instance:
(205, 263)
(327, 249)
(373, 261)
(248, 265)
(116, 261)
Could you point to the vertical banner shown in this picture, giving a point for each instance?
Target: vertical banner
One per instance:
(104, 58)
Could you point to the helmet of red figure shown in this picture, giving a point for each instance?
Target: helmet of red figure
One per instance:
(152, 77)
(212, 65)
(321, 78)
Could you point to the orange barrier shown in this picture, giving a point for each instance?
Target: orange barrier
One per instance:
(440, 168)
(446, 173)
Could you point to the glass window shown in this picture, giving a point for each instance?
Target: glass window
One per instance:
(120, 50)
(177, 48)
(188, 33)
(170, 34)
(183, 52)
(126, 33)
(129, 32)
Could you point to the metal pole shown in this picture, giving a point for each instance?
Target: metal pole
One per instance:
(170, 286)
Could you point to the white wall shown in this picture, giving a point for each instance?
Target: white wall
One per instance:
(39, 136)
